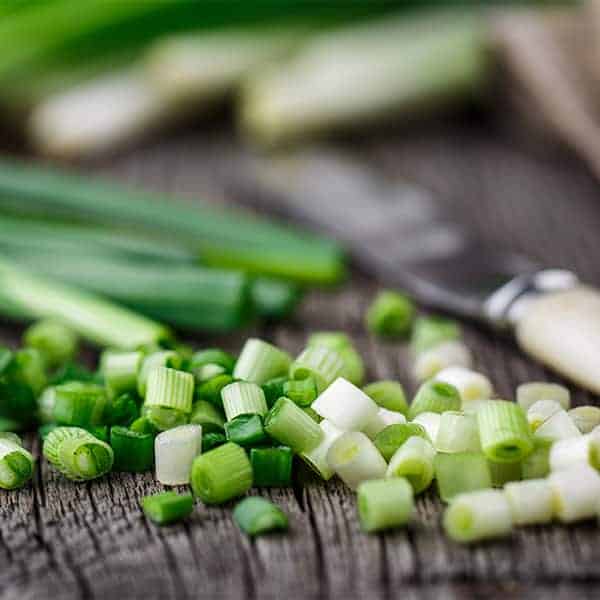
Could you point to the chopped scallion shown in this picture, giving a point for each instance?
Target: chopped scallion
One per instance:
(134, 452)
(461, 472)
(388, 394)
(175, 451)
(256, 516)
(385, 503)
(435, 396)
(243, 398)
(391, 314)
(167, 507)
(414, 461)
(272, 467)
(259, 362)
(246, 430)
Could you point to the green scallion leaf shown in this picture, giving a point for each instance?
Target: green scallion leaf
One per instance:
(256, 516)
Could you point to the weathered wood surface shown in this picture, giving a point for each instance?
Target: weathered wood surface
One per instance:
(60, 540)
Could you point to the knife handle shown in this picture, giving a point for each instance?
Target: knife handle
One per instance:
(562, 330)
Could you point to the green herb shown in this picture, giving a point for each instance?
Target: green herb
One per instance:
(385, 503)
(256, 516)
(56, 342)
(167, 507)
(272, 467)
(434, 396)
(246, 430)
(134, 452)
(391, 314)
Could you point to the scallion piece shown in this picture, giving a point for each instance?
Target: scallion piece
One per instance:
(143, 425)
(134, 452)
(570, 452)
(346, 406)
(354, 367)
(273, 389)
(392, 437)
(122, 410)
(16, 464)
(206, 364)
(434, 396)
(11, 437)
(243, 398)
(585, 417)
(430, 422)
(461, 472)
(256, 516)
(169, 388)
(205, 414)
(575, 492)
(391, 314)
(77, 404)
(164, 418)
(388, 394)
(531, 502)
(163, 358)
(471, 386)
(355, 459)
(120, 370)
(210, 391)
(259, 362)
(557, 427)
(167, 507)
(303, 391)
(324, 365)
(29, 368)
(504, 431)
(77, 454)
(316, 458)
(56, 342)
(537, 464)
(539, 412)
(221, 474)
(212, 440)
(430, 362)
(10, 424)
(175, 451)
(291, 426)
(429, 332)
(385, 503)
(479, 515)
(503, 473)
(272, 467)
(246, 430)
(384, 418)
(529, 393)
(414, 460)
(458, 432)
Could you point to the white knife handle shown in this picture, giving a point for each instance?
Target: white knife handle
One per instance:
(562, 330)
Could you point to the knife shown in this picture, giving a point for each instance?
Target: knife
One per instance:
(398, 232)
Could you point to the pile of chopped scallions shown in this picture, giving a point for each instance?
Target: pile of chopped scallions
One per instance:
(224, 424)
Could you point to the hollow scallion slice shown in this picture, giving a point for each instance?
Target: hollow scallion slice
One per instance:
(478, 515)
(539, 412)
(272, 467)
(302, 391)
(429, 332)
(383, 418)
(354, 367)
(575, 492)
(434, 396)
(57, 342)
(243, 398)
(461, 472)
(585, 417)
(134, 452)
(537, 464)
(77, 454)
(557, 427)
(414, 460)
(385, 503)
(458, 432)
(16, 464)
(504, 431)
(221, 474)
(291, 426)
(391, 314)
(388, 394)
(175, 451)
(529, 393)
(169, 388)
(430, 362)
(346, 406)
(570, 452)
(259, 361)
(163, 358)
(393, 436)
(256, 516)
(75, 403)
(471, 385)
(206, 364)
(120, 370)
(167, 507)
(531, 502)
(143, 425)
(324, 365)
(355, 459)
(316, 458)
(206, 415)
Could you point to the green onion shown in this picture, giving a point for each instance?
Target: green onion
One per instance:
(275, 299)
(164, 418)
(143, 425)
(384, 418)
(221, 474)
(16, 464)
(77, 404)
(434, 396)
(206, 364)
(429, 363)
(316, 458)
(385, 503)
(163, 358)
(210, 391)
(29, 368)
(102, 432)
(388, 394)
(212, 440)
(17, 398)
(11, 437)
(537, 464)
(175, 451)
(169, 388)
(414, 460)
(461, 472)
(503, 473)
(205, 414)
(504, 431)
(77, 454)
(585, 417)
(56, 342)
(531, 502)
(471, 386)
(391, 314)
(478, 515)
(242, 398)
(354, 368)
(570, 452)
(167, 507)
(346, 406)
(303, 391)
(429, 332)
(256, 516)
(272, 467)
(246, 430)
(291, 426)
(259, 362)
(122, 410)
(430, 422)
(9, 425)
(314, 415)
(575, 493)
(539, 412)
(557, 427)
(392, 437)
(323, 364)
(120, 370)
(273, 389)
(134, 452)
(458, 432)
(355, 459)
(529, 393)
(73, 371)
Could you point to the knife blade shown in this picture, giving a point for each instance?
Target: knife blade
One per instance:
(401, 234)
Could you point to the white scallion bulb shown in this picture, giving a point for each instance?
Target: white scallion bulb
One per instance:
(447, 354)
(381, 420)
(430, 421)
(570, 452)
(576, 492)
(175, 450)
(531, 502)
(539, 412)
(471, 385)
(585, 417)
(317, 457)
(558, 427)
(529, 393)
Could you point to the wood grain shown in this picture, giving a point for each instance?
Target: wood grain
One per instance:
(60, 540)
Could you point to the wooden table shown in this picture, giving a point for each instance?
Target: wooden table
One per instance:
(60, 540)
